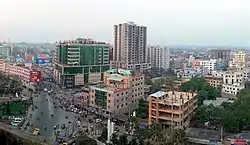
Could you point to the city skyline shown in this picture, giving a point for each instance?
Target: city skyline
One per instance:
(172, 22)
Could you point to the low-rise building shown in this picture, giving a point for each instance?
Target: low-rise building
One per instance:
(214, 81)
(189, 73)
(217, 102)
(221, 64)
(120, 92)
(172, 109)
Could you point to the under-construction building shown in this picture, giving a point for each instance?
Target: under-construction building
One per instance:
(172, 109)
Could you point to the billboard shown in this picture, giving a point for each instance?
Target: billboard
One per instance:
(42, 61)
(29, 58)
(35, 76)
(19, 60)
(44, 56)
(240, 142)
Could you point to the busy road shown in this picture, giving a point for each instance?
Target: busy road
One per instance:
(47, 114)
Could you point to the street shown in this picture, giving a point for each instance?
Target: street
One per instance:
(41, 116)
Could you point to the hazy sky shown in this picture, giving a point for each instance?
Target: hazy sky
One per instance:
(223, 22)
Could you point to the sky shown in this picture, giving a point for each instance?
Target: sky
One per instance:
(199, 22)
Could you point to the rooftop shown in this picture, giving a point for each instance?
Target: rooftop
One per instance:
(81, 41)
(119, 71)
(203, 134)
(173, 97)
(216, 102)
(104, 88)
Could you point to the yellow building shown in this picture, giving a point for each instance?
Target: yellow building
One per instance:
(239, 57)
(213, 81)
(172, 109)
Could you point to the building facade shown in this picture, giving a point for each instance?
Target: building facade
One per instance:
(214, 81)
(238, 61)
(5, 50)
(189, 73)
(80, 61)
(172, 109)
(220, 54)
(233, 82)
(120, 92)
(130, 46)
(26, 74)
(221, 64)
(159, 57)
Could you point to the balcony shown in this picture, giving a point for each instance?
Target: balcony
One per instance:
(73, 48)
(74, 55)
(74, 52)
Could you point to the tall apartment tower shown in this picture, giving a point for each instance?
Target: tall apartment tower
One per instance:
(130, 46)
(159, 56)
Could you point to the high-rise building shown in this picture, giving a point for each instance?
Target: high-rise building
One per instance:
(5, 50)
(80, 61)
(220, 54)
(159, 57)
(130, 46)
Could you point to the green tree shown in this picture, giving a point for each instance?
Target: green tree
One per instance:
(148, 82)
(114, 139)
(142, 110)
(133, 142)
(84, 140)
(104, 135)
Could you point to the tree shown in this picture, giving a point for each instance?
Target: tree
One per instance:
(204, 90)
(85, 140)
(104, 135)
(133, 142)
(148, 82)
(114, 139)
(142, 110)
(123, 140)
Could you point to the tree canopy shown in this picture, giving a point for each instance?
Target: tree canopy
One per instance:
(233, 117)
(204, 90)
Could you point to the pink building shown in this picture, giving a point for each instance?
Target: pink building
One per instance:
(26, 74)
(120, 92)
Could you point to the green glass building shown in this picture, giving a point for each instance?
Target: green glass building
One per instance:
(80, 61)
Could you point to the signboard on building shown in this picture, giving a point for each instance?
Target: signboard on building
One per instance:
(35, 76)
(42, 61)
(240, 142)
(29, 58)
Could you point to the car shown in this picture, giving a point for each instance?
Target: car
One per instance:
(63, 126)
(45, 89)
(15, 124)
(98, 120)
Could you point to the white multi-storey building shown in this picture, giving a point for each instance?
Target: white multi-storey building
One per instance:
(130, 46)
(233, 82)
(159, 56)
(208, 64)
